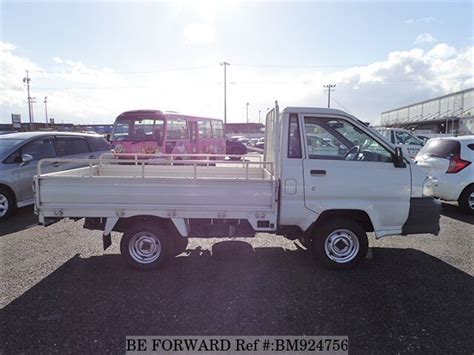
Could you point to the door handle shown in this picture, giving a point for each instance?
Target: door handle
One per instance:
(56, 164)
(318, 172)
(91, 156)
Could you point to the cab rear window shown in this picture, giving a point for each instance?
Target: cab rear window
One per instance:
(441, 148)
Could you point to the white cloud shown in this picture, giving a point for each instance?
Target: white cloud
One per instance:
(199, 33)
(425, 38)
(82, 93)
(429, 19)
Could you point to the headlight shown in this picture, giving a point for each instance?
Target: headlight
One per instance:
(428, 186)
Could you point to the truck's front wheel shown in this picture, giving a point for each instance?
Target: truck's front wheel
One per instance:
(340, 244)
(146, 247)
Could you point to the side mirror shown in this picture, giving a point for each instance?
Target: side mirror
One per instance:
(398, 160)
(25, 159)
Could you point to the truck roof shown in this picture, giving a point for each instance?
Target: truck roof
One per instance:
(314, 110)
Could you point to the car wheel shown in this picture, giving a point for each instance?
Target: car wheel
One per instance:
(466, 200)
(340, 244)
(7, 204)
(235, 151)
(147, 247)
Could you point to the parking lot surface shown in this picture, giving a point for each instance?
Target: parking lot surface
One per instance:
(61, 293)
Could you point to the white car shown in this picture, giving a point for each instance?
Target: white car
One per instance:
(402, 138)
(451, 161)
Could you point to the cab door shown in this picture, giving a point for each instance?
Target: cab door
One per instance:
(346, 167)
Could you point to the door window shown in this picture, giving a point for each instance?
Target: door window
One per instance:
(71, 145)
(337, 139)
(177, 129)
(98, 144)
(217, 129)
(40, 148)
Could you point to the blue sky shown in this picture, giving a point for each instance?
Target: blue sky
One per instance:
(94, 59)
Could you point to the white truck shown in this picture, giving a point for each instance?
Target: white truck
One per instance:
(329, 201)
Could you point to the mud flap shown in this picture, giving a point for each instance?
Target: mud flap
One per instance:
(106, 240)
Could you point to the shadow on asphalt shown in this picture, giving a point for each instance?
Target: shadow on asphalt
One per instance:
(402, 300)
(22, 219)
(453, 211)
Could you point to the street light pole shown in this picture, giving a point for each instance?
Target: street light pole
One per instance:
(259, 116)
(46, 109)
(248, 128)
(225, 64)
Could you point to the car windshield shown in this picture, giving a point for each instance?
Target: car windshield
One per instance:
(6, 144)
(138, 129)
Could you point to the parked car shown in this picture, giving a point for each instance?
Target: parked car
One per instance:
(19, 156)
(450, 161)
(402, 138)
(235, 148)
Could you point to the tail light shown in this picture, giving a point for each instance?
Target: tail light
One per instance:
(456, 164)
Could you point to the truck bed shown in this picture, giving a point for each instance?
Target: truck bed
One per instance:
(192, 189)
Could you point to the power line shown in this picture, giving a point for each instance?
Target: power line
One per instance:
(342, 106)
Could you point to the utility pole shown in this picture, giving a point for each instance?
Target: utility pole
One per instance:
(46, 110)
(329, 88)
(248, 128)
(259, 114)
(225, 64)
(27, 80)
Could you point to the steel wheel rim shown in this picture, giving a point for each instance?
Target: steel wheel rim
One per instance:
(3, 205)
(471, 200)
(342, 246)
(145, 247)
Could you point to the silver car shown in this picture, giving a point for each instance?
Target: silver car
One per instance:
(19, 156)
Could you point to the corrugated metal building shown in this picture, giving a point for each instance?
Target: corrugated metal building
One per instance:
(452, 113)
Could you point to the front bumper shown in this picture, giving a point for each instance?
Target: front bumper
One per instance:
(423, 216)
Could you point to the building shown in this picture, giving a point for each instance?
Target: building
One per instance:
(452, 114)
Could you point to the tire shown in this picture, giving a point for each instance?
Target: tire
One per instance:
(340, 244)
(146, 246)
(466, 200)
(7, 204)
(235, 151)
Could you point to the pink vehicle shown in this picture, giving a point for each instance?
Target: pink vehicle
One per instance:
(155, 132)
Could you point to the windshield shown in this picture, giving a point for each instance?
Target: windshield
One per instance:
(138, 129)
(407, 138)
(6, 144)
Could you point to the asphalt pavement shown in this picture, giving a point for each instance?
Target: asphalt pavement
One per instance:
(61, 294)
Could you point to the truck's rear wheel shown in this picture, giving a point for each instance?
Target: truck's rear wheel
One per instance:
(147, 246)
(340, 244)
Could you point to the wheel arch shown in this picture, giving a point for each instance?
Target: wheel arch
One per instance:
(10, 190)
(465, 188)
(359, 216)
